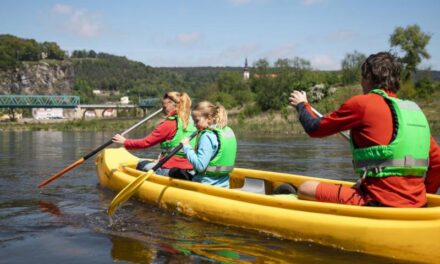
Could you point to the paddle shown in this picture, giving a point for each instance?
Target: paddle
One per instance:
(131, 188)
(98, 149)
(344, 134)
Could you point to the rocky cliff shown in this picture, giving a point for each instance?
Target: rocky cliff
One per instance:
(42, 78)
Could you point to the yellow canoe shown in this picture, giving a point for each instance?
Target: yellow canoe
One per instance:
(401, 233)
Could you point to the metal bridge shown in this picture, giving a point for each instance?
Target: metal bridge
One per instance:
(149, 103)
(63, 101)
(35, 101)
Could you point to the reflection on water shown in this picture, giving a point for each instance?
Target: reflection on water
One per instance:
(67, 221)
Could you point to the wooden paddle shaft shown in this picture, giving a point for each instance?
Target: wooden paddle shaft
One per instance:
(344, 134)
(61, 172)
(98, 149)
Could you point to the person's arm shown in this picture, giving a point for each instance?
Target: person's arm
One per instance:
(206, 149)
(164, 131)
(432, 180)
(348, 116)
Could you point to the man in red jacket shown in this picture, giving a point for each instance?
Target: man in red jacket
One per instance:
(379, 125)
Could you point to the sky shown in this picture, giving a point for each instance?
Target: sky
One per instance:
(223, 32)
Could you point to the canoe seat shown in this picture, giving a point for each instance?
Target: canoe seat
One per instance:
(254, 185)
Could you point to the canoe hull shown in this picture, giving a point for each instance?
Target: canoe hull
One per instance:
(410, 234)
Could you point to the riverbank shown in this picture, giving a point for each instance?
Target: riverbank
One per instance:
(266, 123)
(283, 122)
(274, 123)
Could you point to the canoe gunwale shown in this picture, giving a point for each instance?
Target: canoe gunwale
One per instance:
(428, 213)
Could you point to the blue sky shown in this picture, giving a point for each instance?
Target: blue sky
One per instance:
(223, 32)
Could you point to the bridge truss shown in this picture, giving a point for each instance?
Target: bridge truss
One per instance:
(36, 101)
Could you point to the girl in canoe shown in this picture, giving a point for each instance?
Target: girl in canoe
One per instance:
(177, 125)
(391, 144)
(216, 147)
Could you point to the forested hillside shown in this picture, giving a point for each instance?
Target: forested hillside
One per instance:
(267, 88)
(118, 74)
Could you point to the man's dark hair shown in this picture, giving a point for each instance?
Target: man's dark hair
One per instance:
(383, 70)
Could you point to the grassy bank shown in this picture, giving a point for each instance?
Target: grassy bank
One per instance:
(267, 123)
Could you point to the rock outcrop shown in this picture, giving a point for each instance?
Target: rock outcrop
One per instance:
(40, 78)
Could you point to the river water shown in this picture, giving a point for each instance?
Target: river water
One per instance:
(66, 222)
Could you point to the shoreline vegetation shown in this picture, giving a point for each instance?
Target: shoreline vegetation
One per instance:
(279, 123)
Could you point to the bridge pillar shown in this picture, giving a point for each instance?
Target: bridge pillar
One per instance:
(109, 112)
(90, 113)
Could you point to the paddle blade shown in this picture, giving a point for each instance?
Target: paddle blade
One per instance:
(127, 192)
(60, 173)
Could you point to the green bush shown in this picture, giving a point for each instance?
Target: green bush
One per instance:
(251, 110)
(227, 100)
(407, 90)
(424, 88)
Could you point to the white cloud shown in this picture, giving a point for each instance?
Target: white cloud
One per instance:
(62, 9)
(281, 52)
(189, 38)
(324, 62)
(80, 22)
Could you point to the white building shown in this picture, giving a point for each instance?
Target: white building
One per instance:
(246, 73)
(47, 113)
(125, 100)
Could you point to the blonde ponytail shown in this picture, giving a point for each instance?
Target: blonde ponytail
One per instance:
(183, 105)
(221, 116)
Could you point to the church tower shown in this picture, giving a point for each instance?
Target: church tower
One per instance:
(246, 73)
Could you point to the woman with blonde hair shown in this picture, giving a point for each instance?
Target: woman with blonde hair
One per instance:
(177, 125)
(216, 147)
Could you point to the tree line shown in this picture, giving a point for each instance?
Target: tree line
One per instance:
(15, 50)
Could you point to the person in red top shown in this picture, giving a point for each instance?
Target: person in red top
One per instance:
(370, 120)
(178, 124)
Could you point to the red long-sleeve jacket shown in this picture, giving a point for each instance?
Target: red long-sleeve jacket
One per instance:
(164, 131)
(370, 121)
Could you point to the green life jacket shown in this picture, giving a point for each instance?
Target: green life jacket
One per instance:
(168, 145)
(223, 161)
(408, 152)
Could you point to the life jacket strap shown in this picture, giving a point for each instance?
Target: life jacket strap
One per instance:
(219, 168)
(408, 161)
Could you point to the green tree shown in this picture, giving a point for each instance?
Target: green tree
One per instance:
(92, 54)
(52, 50)
(412, 41)
(225, 99)
(233, 83)
(351, 67)
(261, 67)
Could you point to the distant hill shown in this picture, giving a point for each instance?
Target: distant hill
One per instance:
(115, 73)
(435, 75)
(197, 77)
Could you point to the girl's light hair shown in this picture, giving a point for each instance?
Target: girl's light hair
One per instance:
(215, 112)
(183, 105)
